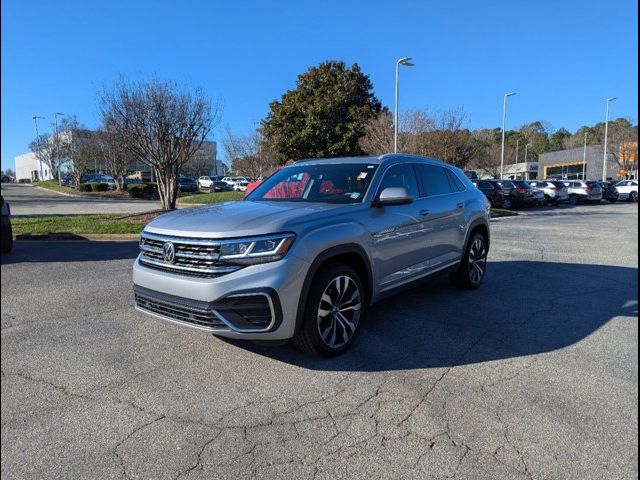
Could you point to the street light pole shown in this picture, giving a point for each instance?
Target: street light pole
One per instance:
(526, 158)
(584, 157)
(35, 122)
(606, 138)
(405, 61)
(504, 122)
(55, 121)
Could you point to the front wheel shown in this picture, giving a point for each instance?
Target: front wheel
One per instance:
(335, 308)
(633, 197)
(472, 268)
(573, 199)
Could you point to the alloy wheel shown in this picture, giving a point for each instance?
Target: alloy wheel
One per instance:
(339, 311)
(477, 260)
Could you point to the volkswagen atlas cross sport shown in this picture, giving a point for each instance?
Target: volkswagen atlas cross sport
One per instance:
(307, 252)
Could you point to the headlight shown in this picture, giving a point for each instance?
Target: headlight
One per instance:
(251, 251)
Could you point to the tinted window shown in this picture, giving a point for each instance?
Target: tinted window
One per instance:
(455, 182)
(433, 179)
(485, 185)
(401, 175)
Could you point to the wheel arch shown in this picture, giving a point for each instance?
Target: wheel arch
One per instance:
(350, 254)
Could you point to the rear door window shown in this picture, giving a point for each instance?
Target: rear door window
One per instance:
(433, 180)
(455, 182)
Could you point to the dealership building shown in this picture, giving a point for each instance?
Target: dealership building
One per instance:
(622, 162)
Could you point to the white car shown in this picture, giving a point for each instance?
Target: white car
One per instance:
(205, 182)
(628, 190)
(229, 180)
(240, 185)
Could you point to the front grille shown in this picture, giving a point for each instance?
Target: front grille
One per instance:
(193, 256)
(245, 312)
(198, 315)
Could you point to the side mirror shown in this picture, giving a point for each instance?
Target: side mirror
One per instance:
(393, 196)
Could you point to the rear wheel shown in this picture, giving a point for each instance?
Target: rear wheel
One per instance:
(335, 308)
(507, 203)
(633, 196)
(573, 199)
(473, 266)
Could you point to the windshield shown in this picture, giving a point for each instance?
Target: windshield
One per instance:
(325, 183)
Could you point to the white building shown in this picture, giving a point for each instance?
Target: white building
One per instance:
(29, 168)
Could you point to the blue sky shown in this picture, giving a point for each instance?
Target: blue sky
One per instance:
(562, 57)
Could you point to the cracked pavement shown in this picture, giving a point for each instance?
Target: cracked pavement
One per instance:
(533, 376)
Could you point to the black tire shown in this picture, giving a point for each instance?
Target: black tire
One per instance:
(473, 267)
(613, 200)
(6, 242)
(547, 201)
(573, 200)
(507, 204)
(633, 197)
(330, 282)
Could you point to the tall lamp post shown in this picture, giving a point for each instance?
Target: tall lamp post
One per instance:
(406, 62)
(55, 121)
(584, 157)
(504, 122)
(606, 138)
(35, 122)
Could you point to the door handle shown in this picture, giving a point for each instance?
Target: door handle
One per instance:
(460, 205)
(424, 212)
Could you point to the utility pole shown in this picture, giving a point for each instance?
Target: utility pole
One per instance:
(584, 158)
(35, 122)
(606, 138)
(55, 116)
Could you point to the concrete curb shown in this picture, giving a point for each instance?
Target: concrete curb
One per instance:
(87, 237)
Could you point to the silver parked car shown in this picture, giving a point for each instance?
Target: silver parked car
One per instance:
(554, 191)
(583, 191)
(312, 248)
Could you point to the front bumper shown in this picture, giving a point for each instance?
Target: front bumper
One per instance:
(187, 300)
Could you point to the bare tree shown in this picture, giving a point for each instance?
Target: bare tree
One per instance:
(43, 147)
(78, 147)
(112, 148)
(378, 135)
(163, 126)
(250, 154)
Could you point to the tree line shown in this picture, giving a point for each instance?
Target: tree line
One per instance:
(331, 112)
(334, 112)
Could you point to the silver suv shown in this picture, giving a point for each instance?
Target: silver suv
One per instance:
(312, 248)
(583, 191)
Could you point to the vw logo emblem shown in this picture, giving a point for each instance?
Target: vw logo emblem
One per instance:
(169, 252)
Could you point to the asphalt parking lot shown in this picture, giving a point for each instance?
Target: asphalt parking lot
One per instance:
(534, 376)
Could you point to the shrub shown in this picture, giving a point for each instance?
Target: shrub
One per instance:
(142, 190)
(85, 187)
(100, 187)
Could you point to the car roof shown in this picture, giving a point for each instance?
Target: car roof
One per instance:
(371, 160)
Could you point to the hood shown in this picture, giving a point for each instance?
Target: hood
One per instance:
(236, 219)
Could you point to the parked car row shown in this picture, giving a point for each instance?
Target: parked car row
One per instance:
(222, 184)
(519, 193)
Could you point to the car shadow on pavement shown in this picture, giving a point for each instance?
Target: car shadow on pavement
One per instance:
(34, 251)
(523, 308)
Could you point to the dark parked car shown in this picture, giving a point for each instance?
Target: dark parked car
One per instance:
(517, 193)
(609, 192)
(187, 184)
(492, 191)
(6, 242)
(220, 186)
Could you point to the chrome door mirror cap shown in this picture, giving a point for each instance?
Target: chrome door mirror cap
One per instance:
(393, 196)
